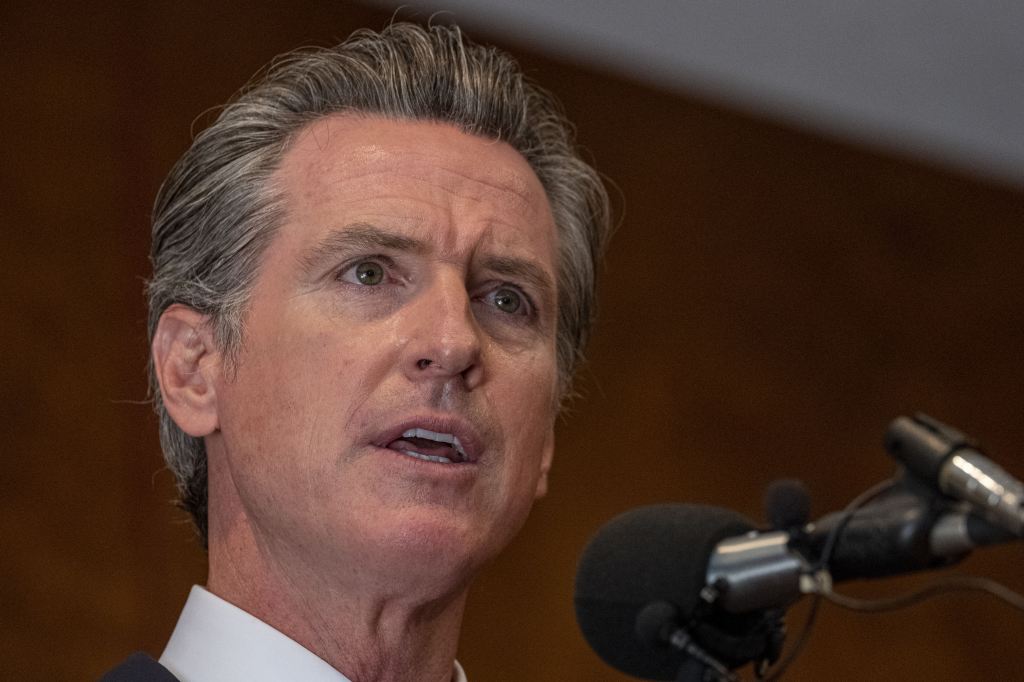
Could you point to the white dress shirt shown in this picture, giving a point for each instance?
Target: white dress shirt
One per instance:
(215, 641)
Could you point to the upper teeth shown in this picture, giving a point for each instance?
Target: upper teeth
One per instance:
(434, 435)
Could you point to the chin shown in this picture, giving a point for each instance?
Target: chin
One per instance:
(437, 551)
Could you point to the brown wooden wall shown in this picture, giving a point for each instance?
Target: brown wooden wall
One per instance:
(771, 301)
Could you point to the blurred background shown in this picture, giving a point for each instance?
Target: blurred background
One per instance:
(821, 210)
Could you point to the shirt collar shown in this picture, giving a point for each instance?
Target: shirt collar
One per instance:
(217, 641)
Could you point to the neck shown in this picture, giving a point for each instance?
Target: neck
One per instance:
(365, 623)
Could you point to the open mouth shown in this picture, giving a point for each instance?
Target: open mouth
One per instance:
(430, 446)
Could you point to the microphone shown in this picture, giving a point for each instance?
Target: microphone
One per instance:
(906, 529)
(662, 553)
(657, 625)
(787, 504)
(726, 586)
(950, 461)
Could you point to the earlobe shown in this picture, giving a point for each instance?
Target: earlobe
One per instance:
(186, 360)
(545, 465)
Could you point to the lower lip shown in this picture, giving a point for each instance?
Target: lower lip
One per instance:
(426, 467)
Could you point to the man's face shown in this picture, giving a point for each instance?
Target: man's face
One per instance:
(393, 402)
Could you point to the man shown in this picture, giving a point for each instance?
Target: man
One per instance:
(373, 277)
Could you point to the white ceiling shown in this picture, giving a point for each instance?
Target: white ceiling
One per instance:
(941, 80)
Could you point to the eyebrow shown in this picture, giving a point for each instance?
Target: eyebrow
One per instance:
(360, 236)
(357, 236)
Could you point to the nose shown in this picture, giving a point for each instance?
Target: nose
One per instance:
(445, 341)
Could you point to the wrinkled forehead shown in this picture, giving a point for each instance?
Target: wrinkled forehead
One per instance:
(361, 151)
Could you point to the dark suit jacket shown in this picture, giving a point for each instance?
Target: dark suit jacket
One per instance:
(139, 667)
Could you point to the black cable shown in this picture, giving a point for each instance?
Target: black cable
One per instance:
(822, 564)
(945, 585)
(802, 639)
(847, 514)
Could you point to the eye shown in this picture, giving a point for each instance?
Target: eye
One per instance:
(508, 301)
(367, 273)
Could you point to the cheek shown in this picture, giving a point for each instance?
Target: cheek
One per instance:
(285, 403)
(526, 409)
(285, 430)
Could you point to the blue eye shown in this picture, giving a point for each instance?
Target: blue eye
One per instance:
(507, 300)
(367, 272)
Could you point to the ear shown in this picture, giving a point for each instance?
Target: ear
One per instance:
(545, 465)
(186, 361)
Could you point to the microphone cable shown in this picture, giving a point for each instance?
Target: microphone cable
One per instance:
(861, 500)
(939, 586)
(824, 584)
(945, 585)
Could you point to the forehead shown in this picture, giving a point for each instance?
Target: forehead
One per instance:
(409, 170)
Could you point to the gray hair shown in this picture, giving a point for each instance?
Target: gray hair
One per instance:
(216, 212)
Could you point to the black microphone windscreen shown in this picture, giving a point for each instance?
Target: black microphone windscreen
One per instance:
(655, 553)
(787, 504)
